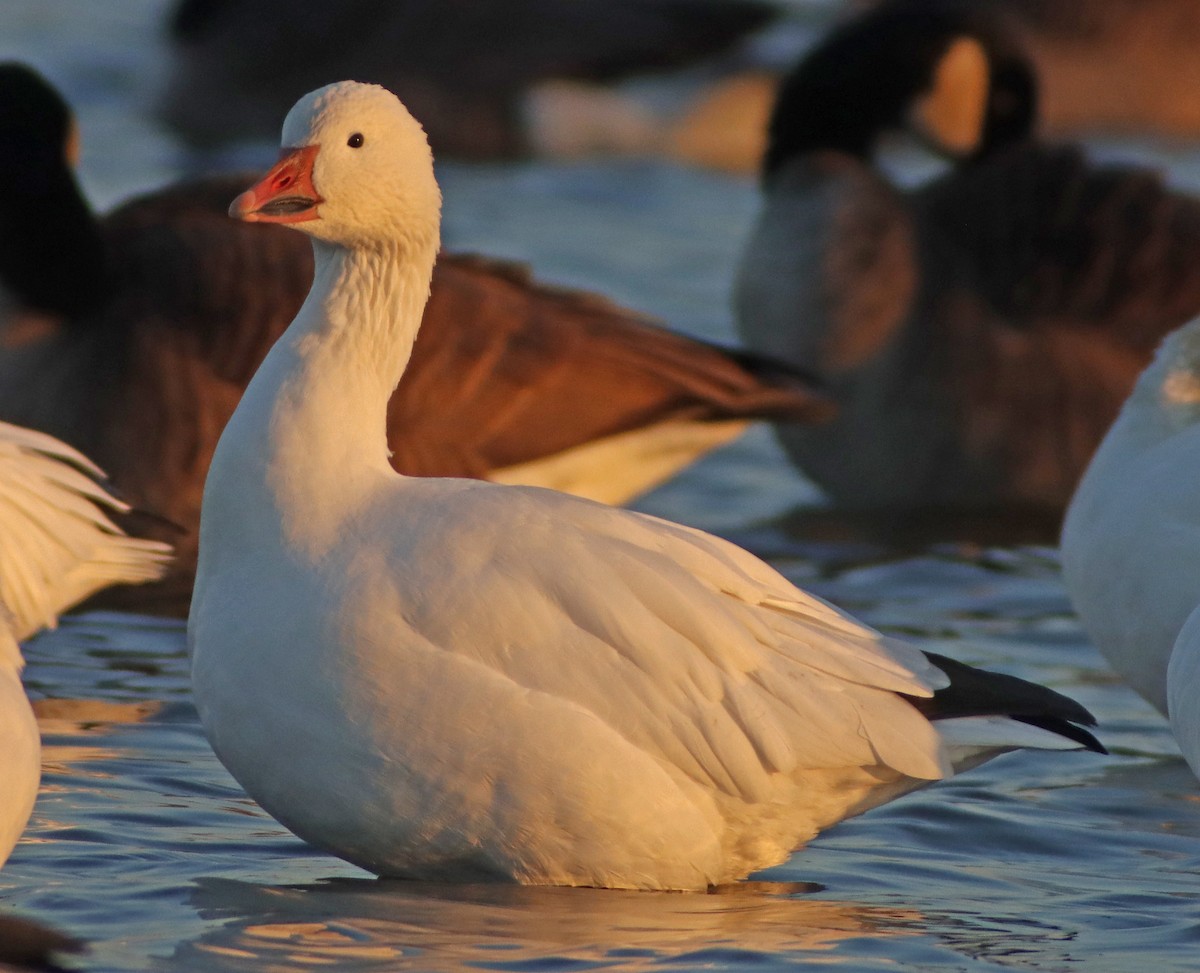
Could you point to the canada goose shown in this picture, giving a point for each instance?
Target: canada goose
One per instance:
(133, 336)
(457, 680)
(978, 333)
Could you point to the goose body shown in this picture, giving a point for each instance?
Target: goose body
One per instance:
(979, 332)
(20, 746)
(459, 680)
(134, 336)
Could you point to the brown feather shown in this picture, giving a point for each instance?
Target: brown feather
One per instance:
(1052, 282)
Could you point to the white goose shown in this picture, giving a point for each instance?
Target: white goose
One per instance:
(1131, 539)
(20, 746)
(456, 680)
(57, 546)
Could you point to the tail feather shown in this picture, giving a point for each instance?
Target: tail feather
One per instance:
(978, 693)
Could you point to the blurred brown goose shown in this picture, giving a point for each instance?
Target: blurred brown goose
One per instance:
(487, 79)
(1109, 66)
(980, 333)
(136, 335)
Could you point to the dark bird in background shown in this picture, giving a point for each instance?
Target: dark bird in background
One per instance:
(132, 337)
(978, 333)
(1109, 66)
(488, 79)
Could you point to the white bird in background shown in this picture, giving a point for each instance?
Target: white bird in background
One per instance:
(57, 546)
(456, 680)
(1131, 540)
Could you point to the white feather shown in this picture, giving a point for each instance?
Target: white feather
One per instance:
(57, 542)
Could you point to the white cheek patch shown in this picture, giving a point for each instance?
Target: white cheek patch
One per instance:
(952, 114)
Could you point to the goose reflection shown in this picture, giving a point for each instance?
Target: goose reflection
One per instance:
(353, 924)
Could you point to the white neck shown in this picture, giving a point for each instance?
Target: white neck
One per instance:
(309, 436)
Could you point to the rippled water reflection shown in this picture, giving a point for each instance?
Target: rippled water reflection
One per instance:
(142, 843)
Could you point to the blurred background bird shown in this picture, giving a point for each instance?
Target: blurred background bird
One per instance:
(489, 79)
(980, 330)
(1106, 67)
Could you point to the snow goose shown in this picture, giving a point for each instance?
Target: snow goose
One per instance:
(489, 79)
(20, 745)
(1131, 539)
(980, 332)
(132, 338)
(57, 546)
(453, 679)
(1183, 690)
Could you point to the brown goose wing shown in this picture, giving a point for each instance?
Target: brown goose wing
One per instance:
(186, 274)
(507, 370)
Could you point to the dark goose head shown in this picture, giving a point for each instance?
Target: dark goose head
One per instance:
(869, 76)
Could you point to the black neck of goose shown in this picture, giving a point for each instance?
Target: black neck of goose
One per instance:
(1012, 104)
(860, 82)
(51, 250)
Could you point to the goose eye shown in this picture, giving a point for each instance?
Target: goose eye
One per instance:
(355, 141)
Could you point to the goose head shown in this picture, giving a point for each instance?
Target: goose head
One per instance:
(355, 170)
(938, 69)
(34, 115)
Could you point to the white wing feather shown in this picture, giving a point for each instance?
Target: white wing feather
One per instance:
(57, 542)
(694, 650)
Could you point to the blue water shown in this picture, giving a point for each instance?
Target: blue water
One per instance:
(143, 845)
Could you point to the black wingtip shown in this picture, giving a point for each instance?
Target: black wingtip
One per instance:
(1066, 729)
(978, 692)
